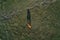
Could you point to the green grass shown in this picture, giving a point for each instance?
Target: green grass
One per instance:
(45, 21)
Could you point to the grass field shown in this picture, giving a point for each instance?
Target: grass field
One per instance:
(45, 17)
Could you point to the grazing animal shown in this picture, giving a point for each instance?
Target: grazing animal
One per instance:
(28, 19)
